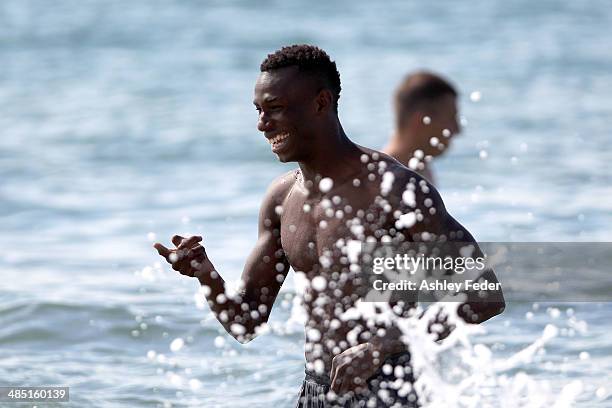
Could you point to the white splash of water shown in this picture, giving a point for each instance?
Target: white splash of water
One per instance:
(455, 373)
(386, 183)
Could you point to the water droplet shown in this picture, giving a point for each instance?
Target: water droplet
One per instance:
(319, 283)
(195, 384)
(413, 164)
(326, 184)
(325, 261)
(406, 220)
(387, 183)
(177, 344)
(426, 120)
(319, 366)
(313, 335)
(554, 312)
(409, 198)
(601, 393)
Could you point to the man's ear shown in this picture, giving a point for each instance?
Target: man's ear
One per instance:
(324, 101)
(417, 119)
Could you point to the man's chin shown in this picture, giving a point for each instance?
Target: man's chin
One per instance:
(284, 158)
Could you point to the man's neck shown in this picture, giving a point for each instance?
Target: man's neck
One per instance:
(401, 147)
(336, 158)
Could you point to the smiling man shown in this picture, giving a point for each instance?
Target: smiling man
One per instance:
(339, 193)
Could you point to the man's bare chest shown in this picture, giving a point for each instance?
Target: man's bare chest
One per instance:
(314, 229)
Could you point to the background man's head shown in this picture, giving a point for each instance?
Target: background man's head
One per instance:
(426, 112)
(296, 95)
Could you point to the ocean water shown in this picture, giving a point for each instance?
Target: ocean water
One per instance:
(126, 122)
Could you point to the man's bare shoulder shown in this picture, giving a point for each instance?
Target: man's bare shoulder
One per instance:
(404, 176)
(278, 191)
(282, 184)
(401, 174)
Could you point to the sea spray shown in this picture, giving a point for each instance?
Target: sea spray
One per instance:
(455, 372)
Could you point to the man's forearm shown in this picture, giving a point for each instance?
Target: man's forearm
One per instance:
(389, 343)
(239, 317)
(482, 305)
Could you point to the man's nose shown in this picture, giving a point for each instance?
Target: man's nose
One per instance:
(263, 122)
(457, 126)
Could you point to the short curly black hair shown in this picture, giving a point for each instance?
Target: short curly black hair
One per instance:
(309, 59)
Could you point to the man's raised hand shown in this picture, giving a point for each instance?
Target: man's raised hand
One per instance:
(187, 258)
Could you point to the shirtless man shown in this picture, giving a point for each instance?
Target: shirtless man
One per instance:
(307, 217)
(425, 121)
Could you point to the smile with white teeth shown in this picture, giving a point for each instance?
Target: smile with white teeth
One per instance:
(278, 139)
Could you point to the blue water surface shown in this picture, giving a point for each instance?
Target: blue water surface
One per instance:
(124, 122)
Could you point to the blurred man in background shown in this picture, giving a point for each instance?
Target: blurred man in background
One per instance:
(425, 121)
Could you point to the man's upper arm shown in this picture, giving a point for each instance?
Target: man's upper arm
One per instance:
(435, 224)
(266, 267)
